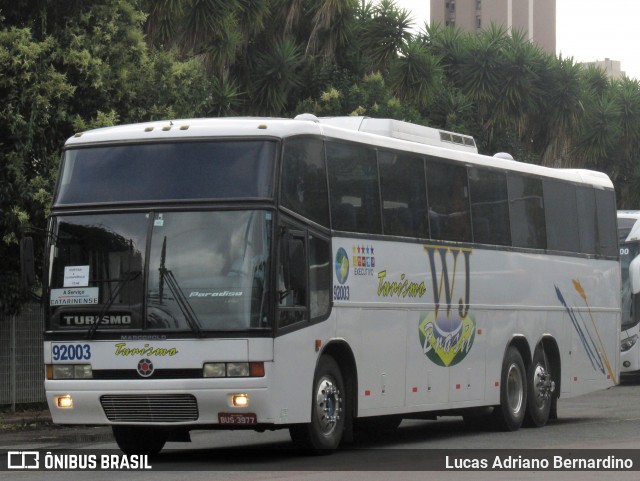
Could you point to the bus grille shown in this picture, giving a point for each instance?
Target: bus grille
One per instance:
(156, 408)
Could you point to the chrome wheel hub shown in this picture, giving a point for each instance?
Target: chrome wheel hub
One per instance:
(543, 386)
(515, 389)
(328, 405)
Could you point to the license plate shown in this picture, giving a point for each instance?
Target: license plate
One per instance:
(237, 418)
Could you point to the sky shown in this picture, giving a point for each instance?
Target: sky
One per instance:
(587, 30)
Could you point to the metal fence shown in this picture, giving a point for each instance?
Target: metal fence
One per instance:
(21, 359)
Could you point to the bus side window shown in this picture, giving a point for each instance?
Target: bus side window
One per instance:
(489, 206)
(561, 216)
(448, 194)
(319, 277)
(607, 229)
(353, 181)
(292, 278)
(404, 194)
(304, 179)
(526, 205)
(586, 204)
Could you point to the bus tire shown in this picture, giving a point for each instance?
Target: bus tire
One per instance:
(139, 440)
(328, 410)
(509, 414)
(541, 390)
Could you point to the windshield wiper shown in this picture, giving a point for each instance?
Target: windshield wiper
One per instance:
(184, 305)
(130, 276)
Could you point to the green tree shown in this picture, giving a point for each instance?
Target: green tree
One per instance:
(66, 67)
(415, 75)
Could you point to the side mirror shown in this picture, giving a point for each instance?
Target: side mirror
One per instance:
(27, 263)
(634, 275)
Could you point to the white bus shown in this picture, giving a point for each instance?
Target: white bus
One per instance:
(629, 240)
(320, 275)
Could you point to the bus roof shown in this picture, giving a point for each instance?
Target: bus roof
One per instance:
(383, 133)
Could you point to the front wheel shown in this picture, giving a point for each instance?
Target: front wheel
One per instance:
(139, 440)
(509, 415)
(328, 410)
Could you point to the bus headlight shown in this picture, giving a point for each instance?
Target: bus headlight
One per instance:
(69, 371)
(214, 369)
(233, 369)
(628, 343)
(238, 369)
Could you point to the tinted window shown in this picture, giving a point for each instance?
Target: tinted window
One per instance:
(489, 207)
(607, 231)
(319, 277)
(404, 195)
(586, 199)
(217, 261)
(526, 208)
(292, 278)
(448, 201)
(113, 249)
(304, 180)
(159, 171)
(353, 187)
(561, 216)
(624, 227)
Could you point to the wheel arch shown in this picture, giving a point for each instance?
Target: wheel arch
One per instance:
(522, 345)
(550, 346)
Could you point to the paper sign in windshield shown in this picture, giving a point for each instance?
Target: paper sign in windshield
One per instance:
(76, 276)
(74, 296)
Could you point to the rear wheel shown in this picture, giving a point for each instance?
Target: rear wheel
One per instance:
(139, 440)
(541, 390)
(510, 414)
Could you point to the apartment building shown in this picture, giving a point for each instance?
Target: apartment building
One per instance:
(536, 18)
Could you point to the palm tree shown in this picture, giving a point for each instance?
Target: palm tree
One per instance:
(415, 74)
(449, 44)
(556, 121)
(626, 96)
(623, 164)
(384, 31)
(520, 91)
(598, 133)
(163, 21)
(482, 75)
(276, 74)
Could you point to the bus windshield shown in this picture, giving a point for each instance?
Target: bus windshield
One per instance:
(167, 171)
(198, 271)
(628, 252)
